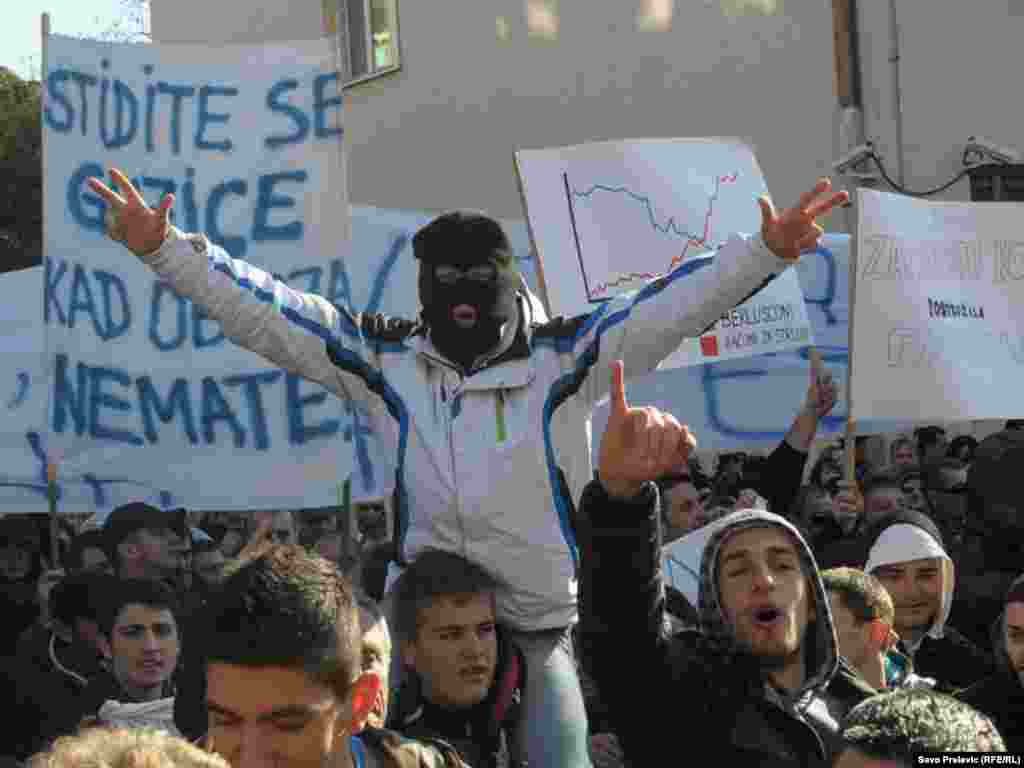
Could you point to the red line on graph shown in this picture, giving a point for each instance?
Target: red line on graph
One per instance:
(676, 260)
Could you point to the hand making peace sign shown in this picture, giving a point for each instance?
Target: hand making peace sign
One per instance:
(129, 220)
(795, 230)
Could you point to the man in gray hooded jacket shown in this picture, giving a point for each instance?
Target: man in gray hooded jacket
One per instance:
(761, 681)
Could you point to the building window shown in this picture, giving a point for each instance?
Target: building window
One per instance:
(368, 31)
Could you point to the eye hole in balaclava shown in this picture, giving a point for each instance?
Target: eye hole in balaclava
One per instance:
(468, 282)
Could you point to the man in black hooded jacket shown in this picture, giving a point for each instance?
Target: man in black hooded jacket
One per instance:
(761, 681)
(1001, 696)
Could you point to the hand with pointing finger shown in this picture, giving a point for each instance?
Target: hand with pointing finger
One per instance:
(639, 444)
(128, 219)
(795, 230)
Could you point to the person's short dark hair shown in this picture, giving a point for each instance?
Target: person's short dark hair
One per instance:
(995, 475)
(202, 547)
(125, 592)
(927, 437)
(861, 593)
(936, 475)
(801, 503)
(903, 723)
(93, 538)
(435, 574)
(825, 462)
(127, 519)
(81, 596)
(1014, 424)
(25, 533)
(888, 477)
(286, 607)
(730, 457)
(958, 443)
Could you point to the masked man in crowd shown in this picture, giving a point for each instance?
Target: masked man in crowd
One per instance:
(465, 399)
(762, 679)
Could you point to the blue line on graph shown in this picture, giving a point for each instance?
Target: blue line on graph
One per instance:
(670, 226)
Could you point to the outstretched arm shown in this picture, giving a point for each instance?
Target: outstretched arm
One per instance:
(783, 473)
(300, 332)
(623, 642)
(645, 327)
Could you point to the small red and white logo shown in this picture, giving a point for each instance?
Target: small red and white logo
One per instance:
(709, 346)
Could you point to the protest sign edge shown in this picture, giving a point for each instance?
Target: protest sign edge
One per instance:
(849, 448)
(51, 467)
(542, 283)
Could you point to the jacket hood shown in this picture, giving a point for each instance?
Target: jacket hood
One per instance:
(822, 654)
(905, 536)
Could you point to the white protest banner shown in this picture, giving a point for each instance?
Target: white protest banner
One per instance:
(939, 319)
(773, 320)
(23, 396)
(750, 403)
(608, 217)
(144, 393)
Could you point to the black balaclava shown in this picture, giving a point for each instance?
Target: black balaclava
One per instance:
(465, 239)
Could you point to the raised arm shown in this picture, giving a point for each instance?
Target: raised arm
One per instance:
(645, 327)
(783, 472)
(300, 332)
(623, 641)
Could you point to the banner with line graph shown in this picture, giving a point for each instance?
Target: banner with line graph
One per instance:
(608, 217)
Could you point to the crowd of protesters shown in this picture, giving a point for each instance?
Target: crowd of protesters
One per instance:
(510, 608)
(916, 563)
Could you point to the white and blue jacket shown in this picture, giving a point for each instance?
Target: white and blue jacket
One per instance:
(476, 458)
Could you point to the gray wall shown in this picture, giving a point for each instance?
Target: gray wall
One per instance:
(441, 132)
(960, 73)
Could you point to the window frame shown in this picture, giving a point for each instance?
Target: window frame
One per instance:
(345, 46)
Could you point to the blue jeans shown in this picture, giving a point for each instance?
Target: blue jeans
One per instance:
(553, 730)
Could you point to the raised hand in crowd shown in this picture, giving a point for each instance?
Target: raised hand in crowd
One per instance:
(639, 444)
(822, 395)
(129, 220)
(795, 231)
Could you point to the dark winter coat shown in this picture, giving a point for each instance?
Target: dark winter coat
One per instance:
(664, 690)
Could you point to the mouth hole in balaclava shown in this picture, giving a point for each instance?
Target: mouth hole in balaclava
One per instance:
(466, 262)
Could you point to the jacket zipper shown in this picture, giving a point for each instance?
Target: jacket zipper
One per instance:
(451, 451)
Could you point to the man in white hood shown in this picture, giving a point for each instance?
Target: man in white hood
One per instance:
(905, 553)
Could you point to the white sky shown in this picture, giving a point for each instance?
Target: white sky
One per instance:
(20, 27)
